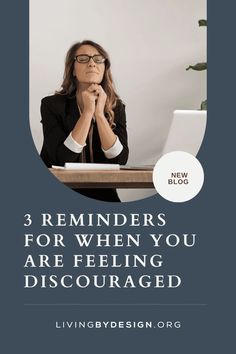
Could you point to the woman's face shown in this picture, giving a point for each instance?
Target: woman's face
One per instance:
(91, 72)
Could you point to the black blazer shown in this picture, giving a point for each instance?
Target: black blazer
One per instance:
(59, 116)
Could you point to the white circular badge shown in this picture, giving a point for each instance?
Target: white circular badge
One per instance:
(178, 176)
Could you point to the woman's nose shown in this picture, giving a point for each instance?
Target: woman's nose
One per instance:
(91, 62)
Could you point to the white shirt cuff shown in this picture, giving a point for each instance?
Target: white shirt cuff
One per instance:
(115, 150)
(72, 145)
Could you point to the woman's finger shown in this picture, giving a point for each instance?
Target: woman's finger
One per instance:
(92, 87)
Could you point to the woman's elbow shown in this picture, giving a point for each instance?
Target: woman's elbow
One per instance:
(124, 155)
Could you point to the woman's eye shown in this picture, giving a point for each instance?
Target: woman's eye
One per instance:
(83, 59)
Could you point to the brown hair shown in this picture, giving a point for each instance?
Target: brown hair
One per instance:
(69, 81)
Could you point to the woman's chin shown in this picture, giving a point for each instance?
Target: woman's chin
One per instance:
(91, 81)
(94, 80)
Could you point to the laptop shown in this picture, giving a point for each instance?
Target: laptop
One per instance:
(186, 131)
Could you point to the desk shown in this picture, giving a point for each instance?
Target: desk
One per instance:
(105, 179)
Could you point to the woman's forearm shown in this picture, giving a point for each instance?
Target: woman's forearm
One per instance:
(105, 132)
(81, 129)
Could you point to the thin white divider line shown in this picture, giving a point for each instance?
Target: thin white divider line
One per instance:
(141, 304)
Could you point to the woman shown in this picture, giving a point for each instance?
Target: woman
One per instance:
(85, 121)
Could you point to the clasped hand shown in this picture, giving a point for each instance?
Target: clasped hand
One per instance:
(94, 100)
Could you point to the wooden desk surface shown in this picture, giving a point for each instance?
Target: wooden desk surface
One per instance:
(105, 179)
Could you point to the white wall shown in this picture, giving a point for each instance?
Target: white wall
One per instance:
(150, 43)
